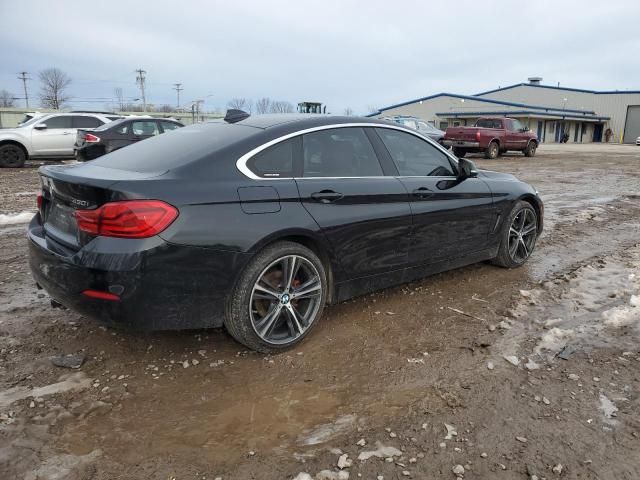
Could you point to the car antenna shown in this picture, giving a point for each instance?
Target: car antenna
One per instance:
(234, 115)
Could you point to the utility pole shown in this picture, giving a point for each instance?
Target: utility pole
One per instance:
(140, 81)
(178, 88)
(23, 77)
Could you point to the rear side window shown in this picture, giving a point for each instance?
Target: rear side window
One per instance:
(145, 128)
(57, 122)
(168, 126)
(274, 162)
(413, 156)
(339, 152)
(86, 122)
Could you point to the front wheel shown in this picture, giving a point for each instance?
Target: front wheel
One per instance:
(278, 299)
(12, 156)
(519, 235)
(530, 151)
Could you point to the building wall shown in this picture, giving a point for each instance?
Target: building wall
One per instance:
(612, 105)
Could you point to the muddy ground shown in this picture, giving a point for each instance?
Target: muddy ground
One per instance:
(478, 349)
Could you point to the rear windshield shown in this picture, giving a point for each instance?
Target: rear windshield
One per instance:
(184, 145)
(489, 123)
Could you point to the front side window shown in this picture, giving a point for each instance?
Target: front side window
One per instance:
(61, 121)
(274, 162)
(145, 128)
(413, 156)
(339, 152)
(516, 126)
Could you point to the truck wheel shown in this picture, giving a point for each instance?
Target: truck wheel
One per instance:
(530, 151)
(459, 152)
(12, 156)
(492, 150)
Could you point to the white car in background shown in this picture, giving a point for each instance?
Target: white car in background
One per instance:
(49, 136)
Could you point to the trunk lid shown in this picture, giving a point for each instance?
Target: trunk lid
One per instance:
(67, 188)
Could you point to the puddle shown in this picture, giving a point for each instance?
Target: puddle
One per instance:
(594, 306)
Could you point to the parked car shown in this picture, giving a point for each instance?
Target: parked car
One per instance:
(257, 222)
(48, 136)
(109, 137)
(493, 136)
(420, 125)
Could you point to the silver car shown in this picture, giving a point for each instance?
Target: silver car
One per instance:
(50, 136)
(420, 125)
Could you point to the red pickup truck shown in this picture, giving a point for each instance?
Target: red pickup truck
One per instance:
(493, 136)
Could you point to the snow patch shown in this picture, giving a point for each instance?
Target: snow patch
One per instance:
(608, 409)
(324, 432)
(16, 218)
(554, 340)
(75, 381)
(380, 452)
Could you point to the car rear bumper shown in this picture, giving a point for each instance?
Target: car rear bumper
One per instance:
(460, 143)
(88, 152)
(161, 286)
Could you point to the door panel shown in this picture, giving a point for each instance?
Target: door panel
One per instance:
(450, 218)
(56, 140)
(366, 221)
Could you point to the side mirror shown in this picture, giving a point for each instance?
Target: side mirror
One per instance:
(466, 169)
(40, 126)
(524, 129)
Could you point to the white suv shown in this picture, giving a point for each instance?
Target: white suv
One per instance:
(47, 136)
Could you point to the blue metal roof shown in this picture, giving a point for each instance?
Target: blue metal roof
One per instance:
(477, 99)
(522, 112)
(596, 92)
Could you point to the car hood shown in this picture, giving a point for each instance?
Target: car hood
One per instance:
(497, 175)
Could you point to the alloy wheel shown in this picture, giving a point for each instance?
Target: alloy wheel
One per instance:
(522, 235)
(285, 299)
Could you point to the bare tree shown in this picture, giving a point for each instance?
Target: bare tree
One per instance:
(119, 97)
(131, 107)
(371, 109)
(348, 112)
(281, 106)
(239, 104)
(263, 105)
(166, 108)
(7, 99)
(54, 82)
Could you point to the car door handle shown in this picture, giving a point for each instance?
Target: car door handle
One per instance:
(66, 133)
(422, 192)
(326, 196)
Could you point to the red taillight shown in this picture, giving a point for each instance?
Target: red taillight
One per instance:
(478, 135)
(127, 219)
(100, 295)
(89, 138)
(39, 200)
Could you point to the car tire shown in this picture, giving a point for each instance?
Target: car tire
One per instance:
(530, 151)
(492, 151)
(459, 152)
(518, 236)
(269, 322)
(12, 156)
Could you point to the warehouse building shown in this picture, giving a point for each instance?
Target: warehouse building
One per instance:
(552, 112)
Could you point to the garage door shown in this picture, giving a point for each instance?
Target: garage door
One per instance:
(632, 125)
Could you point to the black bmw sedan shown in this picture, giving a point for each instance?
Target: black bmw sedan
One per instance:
(255, 223)
(112, 136)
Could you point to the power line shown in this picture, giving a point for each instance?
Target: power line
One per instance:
(178, 88)
(23, 77)
(140, 80)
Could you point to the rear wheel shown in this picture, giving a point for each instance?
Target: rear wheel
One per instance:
(459, 152)
(530, 151)
(12, 156)
(278, 299)
(492, 150)
(519, 235)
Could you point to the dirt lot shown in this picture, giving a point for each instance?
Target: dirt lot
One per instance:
(505, 374)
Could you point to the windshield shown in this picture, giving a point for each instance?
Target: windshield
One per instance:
(31, 120)
(109, 125)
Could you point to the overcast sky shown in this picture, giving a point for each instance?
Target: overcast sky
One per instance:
(356, 54)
